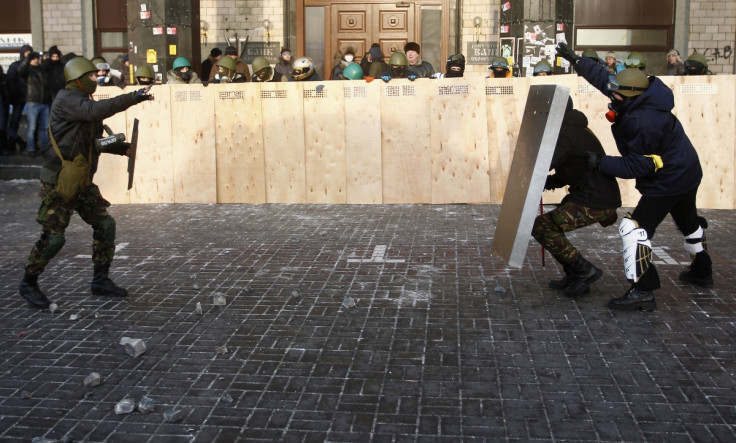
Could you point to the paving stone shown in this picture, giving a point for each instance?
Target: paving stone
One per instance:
(431, 351)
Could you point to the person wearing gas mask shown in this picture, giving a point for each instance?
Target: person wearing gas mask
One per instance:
(347, 58)
(241, 67)
(106, 76)
(75, 123)
(656, 152)
(182, 73)
(263, 72)
(696, 64)
(398, 68)
(227, 72)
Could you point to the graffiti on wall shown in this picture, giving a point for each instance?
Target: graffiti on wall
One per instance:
(715, 54)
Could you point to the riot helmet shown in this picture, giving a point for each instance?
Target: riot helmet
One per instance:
(302, 68)
(77, 68)
(353, 71)
(630, 82)
(262, 70)
(696, 64)
(636, 60)
(542, 68)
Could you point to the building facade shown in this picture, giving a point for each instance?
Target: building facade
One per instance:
(480, 29)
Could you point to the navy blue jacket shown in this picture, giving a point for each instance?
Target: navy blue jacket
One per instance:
(646, 126)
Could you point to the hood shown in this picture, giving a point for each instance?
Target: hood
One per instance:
(575, 118)
(25, 48)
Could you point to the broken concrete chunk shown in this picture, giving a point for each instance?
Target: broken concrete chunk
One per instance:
(125, 406)
(135, 347)
(174, 415)
(93, 379)
(146, 405)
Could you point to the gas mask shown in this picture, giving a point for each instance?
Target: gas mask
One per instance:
(185, 75)
(349, 58)
(398, 70)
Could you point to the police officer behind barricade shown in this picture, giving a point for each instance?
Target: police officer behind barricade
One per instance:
(75, 124)
(696, 64)
(656, 152)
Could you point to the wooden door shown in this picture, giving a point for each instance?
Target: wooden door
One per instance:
(360, 25)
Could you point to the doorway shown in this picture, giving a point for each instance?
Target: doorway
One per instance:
(331, 26)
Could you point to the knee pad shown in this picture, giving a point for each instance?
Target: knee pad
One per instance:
(637, 249)
(695, 242)
(105, 231)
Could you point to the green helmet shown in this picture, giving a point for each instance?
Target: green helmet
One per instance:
(181, 62)
(353, 71)
(591, 53)
(259, 63)
(499, 62)
(227, 62)
(630, 82)
(144, 71)
(398, 58)
(100, 63)
(77, 68)
(636, 60)
(696, 64)
(542, 66)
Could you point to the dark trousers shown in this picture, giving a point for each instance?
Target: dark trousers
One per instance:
(649, 213)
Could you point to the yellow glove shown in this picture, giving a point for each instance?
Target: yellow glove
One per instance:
(658, 164)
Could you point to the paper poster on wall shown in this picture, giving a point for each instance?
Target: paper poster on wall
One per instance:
(158, 30)
(151, 56)
(172, 49)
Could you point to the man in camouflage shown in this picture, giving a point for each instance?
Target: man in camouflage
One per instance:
(592, 198)
(75, 123)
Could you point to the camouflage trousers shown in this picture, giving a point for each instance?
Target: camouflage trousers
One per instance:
(54, 216)
(549, 228)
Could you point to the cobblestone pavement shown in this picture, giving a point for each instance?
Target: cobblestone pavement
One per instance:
(443, 342)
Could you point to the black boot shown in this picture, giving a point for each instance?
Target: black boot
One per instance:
(700, 271)
(30, 291)
(563, 282)
(584, 274)
(634, 300)
(102, 285)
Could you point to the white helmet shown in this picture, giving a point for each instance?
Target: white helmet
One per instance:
(302, 68)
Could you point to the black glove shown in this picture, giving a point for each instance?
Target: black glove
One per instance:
(568, 54)
(142, 94)
(594, 160)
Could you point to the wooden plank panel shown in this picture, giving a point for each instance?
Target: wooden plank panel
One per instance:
(241, 174)
(112, 170)
(459, 141)
(705, 113)
(504, 119)
(324, 140)
(193, 140)
(363, 142)
(283, 142)
(153, 181)
(407, 169)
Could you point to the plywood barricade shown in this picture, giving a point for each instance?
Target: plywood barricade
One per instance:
(427, 141)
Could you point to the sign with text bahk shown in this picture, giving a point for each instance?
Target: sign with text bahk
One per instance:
(481, 53)
(254, 49)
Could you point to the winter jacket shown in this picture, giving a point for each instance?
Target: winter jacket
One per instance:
(37, 90)
(172, 78)
(644, 127)
(423, 69)
(283, 68)
(16, 82)
(570, 163)
(75, 121)
(240, 66)
(54, 76)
